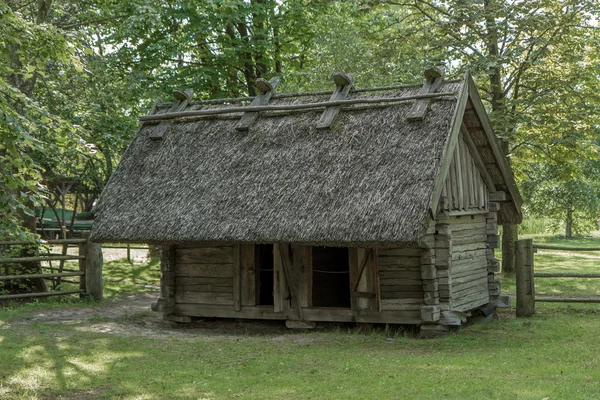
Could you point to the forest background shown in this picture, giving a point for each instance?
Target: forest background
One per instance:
(76, 75)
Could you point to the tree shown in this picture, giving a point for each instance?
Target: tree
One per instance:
(511, 44)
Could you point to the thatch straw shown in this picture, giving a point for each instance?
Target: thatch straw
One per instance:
(367, 181)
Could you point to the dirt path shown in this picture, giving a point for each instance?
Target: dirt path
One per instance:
(131, 315)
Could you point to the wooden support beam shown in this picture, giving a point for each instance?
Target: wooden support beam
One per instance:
(237, 278)
(343, 85)
(267, 89)
(498, 196)
(183, 99)
(524, 266)
(293, 284)
(433, 79)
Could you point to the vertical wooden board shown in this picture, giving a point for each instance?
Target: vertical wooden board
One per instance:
(467, 162)
(353, 264)
(459, 177)
(454, 184)
(249, 276)
(291, 277)
(474, 174)
(280, 290)
(376, 284)
(237, 278)
(363, 283)
(302, 272)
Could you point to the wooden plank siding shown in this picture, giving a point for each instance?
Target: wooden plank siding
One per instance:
(465, 189)
(400, 279)
(467, 276)
(205, 275)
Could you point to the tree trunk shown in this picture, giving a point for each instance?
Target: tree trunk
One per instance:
(569, 224)
(509, 231)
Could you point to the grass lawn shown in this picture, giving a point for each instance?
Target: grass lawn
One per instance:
(563, 261)
(135, 356)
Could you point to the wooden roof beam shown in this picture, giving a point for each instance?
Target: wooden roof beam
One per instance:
(433, 79)
(266, 89)
(183, 99)
(487, 178)
(343, 84)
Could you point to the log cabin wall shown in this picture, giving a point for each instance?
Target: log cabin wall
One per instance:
(204, 275)
(400, 279)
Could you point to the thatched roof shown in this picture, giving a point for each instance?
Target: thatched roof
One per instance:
(369, 180)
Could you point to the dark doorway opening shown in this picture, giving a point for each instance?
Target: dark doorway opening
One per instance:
(264, 274)
(331, 277)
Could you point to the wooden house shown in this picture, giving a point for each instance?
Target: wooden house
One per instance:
(373, 205)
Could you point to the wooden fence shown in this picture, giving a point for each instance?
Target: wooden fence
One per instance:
(89, 272)
(525, 275)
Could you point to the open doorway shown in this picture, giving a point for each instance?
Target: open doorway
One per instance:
(331, 277)
(264, 274)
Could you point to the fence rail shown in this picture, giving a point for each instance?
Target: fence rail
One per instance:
(90, 268)
(524, 266)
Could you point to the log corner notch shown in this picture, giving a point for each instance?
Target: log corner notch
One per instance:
(433, 79)
(343, 84)
(266, 89)
(182, 98)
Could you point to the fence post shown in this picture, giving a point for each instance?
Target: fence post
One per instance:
(82, 267)
(93, 270)
(524, 274)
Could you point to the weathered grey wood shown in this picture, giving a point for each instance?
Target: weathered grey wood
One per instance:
(54, 241)
(237, 278)
(267, 89)
(404, 252)
(281, 293)
(286, 107)
(207, 270)
(283, 250)
(394, 261)
(433, 82)
(564, 275)
(430, 313)
(82, 246)
(205, 255)
(191, 297)
(250, 279)
(34, 276)
(203, 288)
(35, 295)
(40, 258)
(302, 272)
(466, 135)
(550, 299)
(168, 269)
(343, 85)
(93, 272)
(567, 248)
(524, 266)
(183, 99)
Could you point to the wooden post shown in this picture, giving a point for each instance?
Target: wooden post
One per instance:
(82, 268)
(128, 253)
(524, 274)
(93, 270)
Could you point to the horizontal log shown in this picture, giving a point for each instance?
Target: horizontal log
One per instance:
(39, 259)
(564, 275)
(204, 288)
(545, 247)
(54, 241)
(402, 288)
(125, 247)
(404, 252)
(384, 275)
(550, 299)
(34, 276)
(204, 270)
(204, 298)
(392, 282)
(34, 295)
(403, 295)
(203, 280)
(205, 255)
(287, 107)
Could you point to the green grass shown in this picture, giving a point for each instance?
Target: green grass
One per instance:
(552, 355)
(552, 358)
(563, 261)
